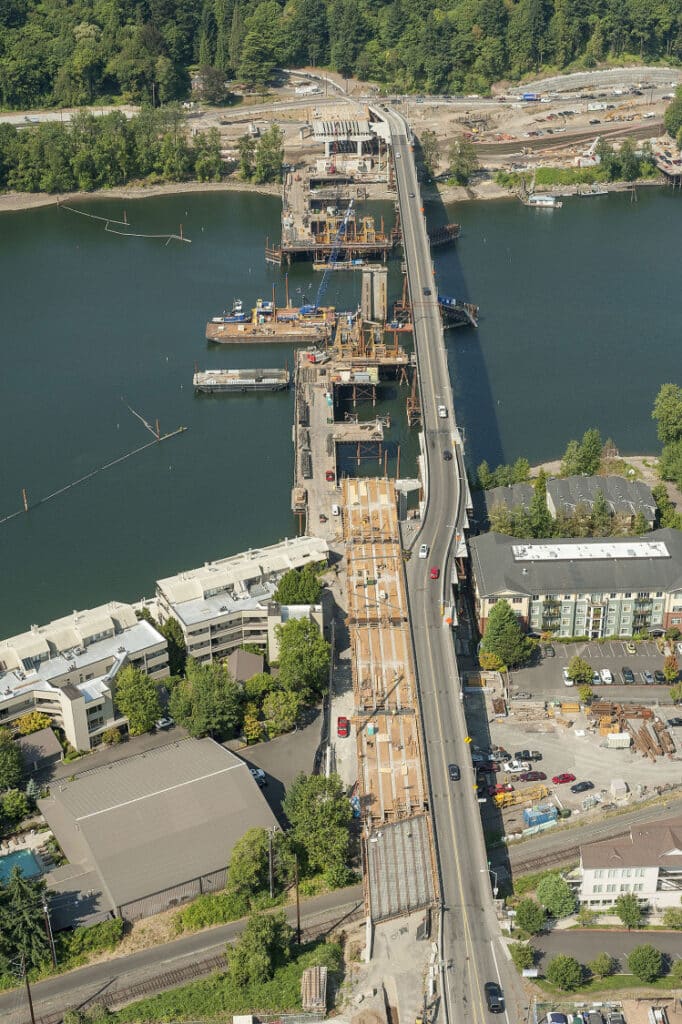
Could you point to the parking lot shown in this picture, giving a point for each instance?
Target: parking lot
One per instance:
(544, 678)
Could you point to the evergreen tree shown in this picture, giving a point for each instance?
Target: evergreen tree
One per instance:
(236, 39)
(590, 452)
(570, 464)
(601, 516)
(10, 761)
(640, 525)
(503, 636)
(540, 518)
(22, 923)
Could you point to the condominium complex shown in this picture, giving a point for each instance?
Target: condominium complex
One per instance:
(583, 587)
(227, 603)
(625, 499)
(646, 862)
(67, 669)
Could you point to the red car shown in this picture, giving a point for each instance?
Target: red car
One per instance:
(342, 726)
(559, 780)
(435, 573)
(329, 476)
(500, 787)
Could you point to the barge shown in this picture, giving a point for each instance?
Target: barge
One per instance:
(269, 322)
(211, 382)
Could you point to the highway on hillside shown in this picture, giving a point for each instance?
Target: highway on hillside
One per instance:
(471, 951)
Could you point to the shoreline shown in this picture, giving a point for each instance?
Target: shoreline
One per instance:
(14, 202)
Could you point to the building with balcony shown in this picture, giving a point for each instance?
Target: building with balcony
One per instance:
(67, 669)
(590, 586)
(647, 862)
(228, 603)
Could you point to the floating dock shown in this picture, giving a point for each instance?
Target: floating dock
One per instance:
(212, 382)
(272, 323)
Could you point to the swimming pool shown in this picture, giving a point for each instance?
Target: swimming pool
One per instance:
(23, 859)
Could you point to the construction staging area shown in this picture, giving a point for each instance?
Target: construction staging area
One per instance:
(398, 852)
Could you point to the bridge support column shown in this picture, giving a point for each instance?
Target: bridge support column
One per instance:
(369, 940)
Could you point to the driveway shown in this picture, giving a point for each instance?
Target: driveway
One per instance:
(585, 943)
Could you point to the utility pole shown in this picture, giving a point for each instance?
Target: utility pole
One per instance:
(270, 869)
(48, 928)
(298, 902)
(28, 988)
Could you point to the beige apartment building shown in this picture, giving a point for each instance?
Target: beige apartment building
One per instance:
(67, 669)
(589, 586)
(227, 603)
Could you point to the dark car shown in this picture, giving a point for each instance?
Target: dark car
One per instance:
(675, 722)
(582, 787)
(532, 776)
(547, 651)
(627, 674)
(528, 755)
(447, 456)
(488, 766)
(500, 754)
(427, 291)
(659, 677)
(494, 997)
(454, 772)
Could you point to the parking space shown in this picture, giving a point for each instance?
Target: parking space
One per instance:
(644, 659)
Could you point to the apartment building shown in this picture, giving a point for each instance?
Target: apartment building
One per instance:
(67, 669)
(647, 862)
(565, 495)
(582, 587)
(227, 603)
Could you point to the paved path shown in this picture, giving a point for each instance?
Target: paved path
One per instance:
(585, 944)
(86, 983)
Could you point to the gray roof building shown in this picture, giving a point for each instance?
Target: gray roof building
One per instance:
(513, 496)
(243, 665)
(39, 750)
(506, 565)
(657, 844)
(624, 497)
(156, 822)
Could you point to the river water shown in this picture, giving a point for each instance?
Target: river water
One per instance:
(579, 326)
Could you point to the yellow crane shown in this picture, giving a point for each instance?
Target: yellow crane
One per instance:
(613, 114)
(520, 796)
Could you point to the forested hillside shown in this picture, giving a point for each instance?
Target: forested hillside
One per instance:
(54, 52)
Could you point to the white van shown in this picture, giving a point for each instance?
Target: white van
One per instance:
(442, 412)
(423, 550)
(336, 511)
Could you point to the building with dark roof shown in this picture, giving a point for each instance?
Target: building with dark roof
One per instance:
(647, 863)
(625, 498)
(511, 496)
(39, 750)
(590, 586)
(243, 665)
(153, 830)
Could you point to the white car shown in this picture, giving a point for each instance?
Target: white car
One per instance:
(606, 676)
(514, 767)
(423, 550)
(567, 679)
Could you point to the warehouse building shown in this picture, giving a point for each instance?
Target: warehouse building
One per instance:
(151, 831)
(590, 586)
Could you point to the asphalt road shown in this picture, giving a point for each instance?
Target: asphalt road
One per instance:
(471, 949)
(86, 983)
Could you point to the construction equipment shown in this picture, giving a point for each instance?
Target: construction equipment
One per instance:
(334, 254)
(614, 114)
(520, 796)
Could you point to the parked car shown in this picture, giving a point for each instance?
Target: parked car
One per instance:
(500, 754)
(522, 695)
(582, 787)
(548, 651)
(596, 678)
(630, 647)
(342, 726)
(488, 766)
(564, 777)
(659, 678)
(648, 678)
(454, 773)
(532, 776)
(567, 679)
(259, 776)
(330, 476)
(528, 755)
(164, 723)
(627, 674)
(554, 1017)
(500, 787)
(323, 518)
(514, 767)
(434, 573)
(494, 997)
(606, 676)
(675, 722)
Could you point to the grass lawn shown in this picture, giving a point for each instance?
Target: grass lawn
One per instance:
(616, 983)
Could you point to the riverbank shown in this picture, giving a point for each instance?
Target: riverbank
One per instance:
(489, 189)
(12, 202)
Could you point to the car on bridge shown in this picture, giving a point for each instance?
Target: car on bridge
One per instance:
(427, 291)
(494, 997)
(454, 773)
(423, 550)
(447, 456)
(434, 572)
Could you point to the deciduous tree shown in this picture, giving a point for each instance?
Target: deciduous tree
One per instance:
(10, 761)
(554, 893)
(530, 916)
(303, 657)
(300, 586)
(320, 816)
(667, 412)
(281, 708)
(264, 945)
(32, 721)
(579, 670)
(602, 966)
(629, 910)
(565, 972)
(208, 702)
(646, 963)
(137, 698)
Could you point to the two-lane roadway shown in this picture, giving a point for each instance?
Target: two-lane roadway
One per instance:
(471, 948)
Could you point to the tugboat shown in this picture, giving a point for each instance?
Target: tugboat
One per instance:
(235, 316)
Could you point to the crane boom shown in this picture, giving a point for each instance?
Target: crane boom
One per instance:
(334, 254)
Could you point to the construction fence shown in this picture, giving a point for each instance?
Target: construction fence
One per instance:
(165, 899)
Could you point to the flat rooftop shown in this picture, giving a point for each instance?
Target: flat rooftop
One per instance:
(574, 551)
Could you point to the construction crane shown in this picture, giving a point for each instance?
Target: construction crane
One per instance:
(334, 254)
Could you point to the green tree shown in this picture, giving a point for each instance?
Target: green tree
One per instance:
(565, 973)
(646, 963)
(208, 702)
(484, 476)
(570, 464)
(667, 412)
(462, 161)
(670, 463)
(14, 805)
(269, 156)
(320, 814)
(249, 870)
(673, 115)
(214, 87)
(256, 688)
(629, 160)
(32, 721)
(303, 657)
(263, 946)
(602, 523)
(672, 918)
(177, 646)
(675, 973)
(137, 698)
(603, 966)
(504, 637)
(10, 761)
(675, 694)
(22, 924)
(579, 670)
(640, 526)
(522, 954)
(540, 518)
(671, 668)
(281, 708)
(586, 694)
(629, 910)
(530, 916)
(590, 452)
(247, 157)
(300, 586)
(667, 516)
(430, 154)
(112, 735)
(554, 893)
(252, 727)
